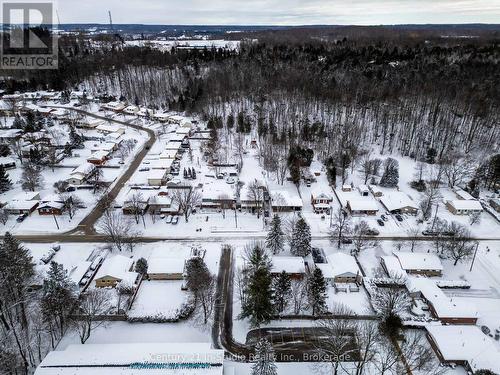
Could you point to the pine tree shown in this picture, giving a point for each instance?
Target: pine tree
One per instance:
(316, 292)
(390, 178)
(282, 287)
(275, 238)
(301, 239)
(141, 266)
(58, 297)
(5, 182)
(193, 173)
(185, 174)
(264, 356)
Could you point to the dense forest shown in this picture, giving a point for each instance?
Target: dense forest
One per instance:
(409, 92)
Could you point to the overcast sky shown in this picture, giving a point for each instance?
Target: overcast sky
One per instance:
(280, 12)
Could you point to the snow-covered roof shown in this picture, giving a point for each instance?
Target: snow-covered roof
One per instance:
(343, 264)
(110, 128)
(396, 200)
(178, 358)
(117, 266)
(26, 196)
(393, 266)
(284, 198)
(6, 160)
(291, 265)
(172, 146)
(52, 204)
(183, 130)
(10, 133)
(21, 205)
(472, 205)
(375, 189)
(362, 205)
(84, 169)
(157, 174)
(464, 195)
(99, 155)
(466, 343)
(161, 163)
(168, 154)
(363, 188)
(418, 261)
(165, 265)
(444, 306)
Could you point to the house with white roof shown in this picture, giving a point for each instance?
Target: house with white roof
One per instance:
(341, 268)
(397, 202)
(7, 163)
(131, 110)
(363, 190)
(361, 207)
(467, 346)
(295, 267)
(447, 309)
(114, 270)
(81, 173)
(157, 177)
(426, 264)
(23, 203)
(98, 157)
(285, 201)
(134, 358)
(464, 207)
(162, 267)
(376, 191)
(110, 128)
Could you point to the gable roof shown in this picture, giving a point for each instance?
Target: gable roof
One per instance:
(418, 261)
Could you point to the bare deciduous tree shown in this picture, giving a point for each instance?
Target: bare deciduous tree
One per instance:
(187, 199)
(340, 226)
(92, 304)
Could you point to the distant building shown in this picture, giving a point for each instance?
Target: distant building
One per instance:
(7, 163)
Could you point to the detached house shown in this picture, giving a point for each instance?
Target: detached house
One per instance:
(321, 202)
(464, 207)
(115, 270)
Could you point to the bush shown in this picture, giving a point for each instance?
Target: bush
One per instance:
(418, 185)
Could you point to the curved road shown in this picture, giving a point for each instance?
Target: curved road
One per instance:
(87, 224)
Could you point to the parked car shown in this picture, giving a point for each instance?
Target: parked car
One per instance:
(21, 218)
(346, 241)
(399, 217)
(380, 222)
(84, 281)
(383, 217)
(145, 169)
(429, 233)
(169, 219)
(175, 220)
(372, 232)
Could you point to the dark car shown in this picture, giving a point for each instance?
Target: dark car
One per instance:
(21, 218)
(380, 222)
(383, 217)
(346, 241)
(372, 232)
(399, 217)
(429, 233)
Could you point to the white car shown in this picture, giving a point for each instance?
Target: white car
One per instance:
(168, 219)
(175, 220)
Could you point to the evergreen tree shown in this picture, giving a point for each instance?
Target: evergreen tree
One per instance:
(58, 297)
(185, 174)
(316, 292)
(264, 356)
(275, 238)
(141, 266)
(5, 182)
(301, 239)
(390, 178)
(282, 287)
(258, 305)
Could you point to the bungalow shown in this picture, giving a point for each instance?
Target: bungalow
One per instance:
(346, 188)
(397, 202)
(157, 177)
(145, 112)
(164, 268)
(168, 154)
(81, 174)
(98, 157)
(321, 202)
(126, 359)
(464, 207)
(165, 164)
(217, 196)
(376, 191)
(51, 208)
(7, 163)
(341, 268)
(285, 201)
(362, 207)
(425, 264)
(467, 346)
(161, 116)
(447, 309)
(295, 267)
(19, 207)
(162, 204)
(89, 123)
(114, 270)
(174, 146)
(133, 206)
(183, 131)
(10, 135)
(113, 106)
(110, 128)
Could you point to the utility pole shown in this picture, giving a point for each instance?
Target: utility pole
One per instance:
(435, 217)
(474, 258)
